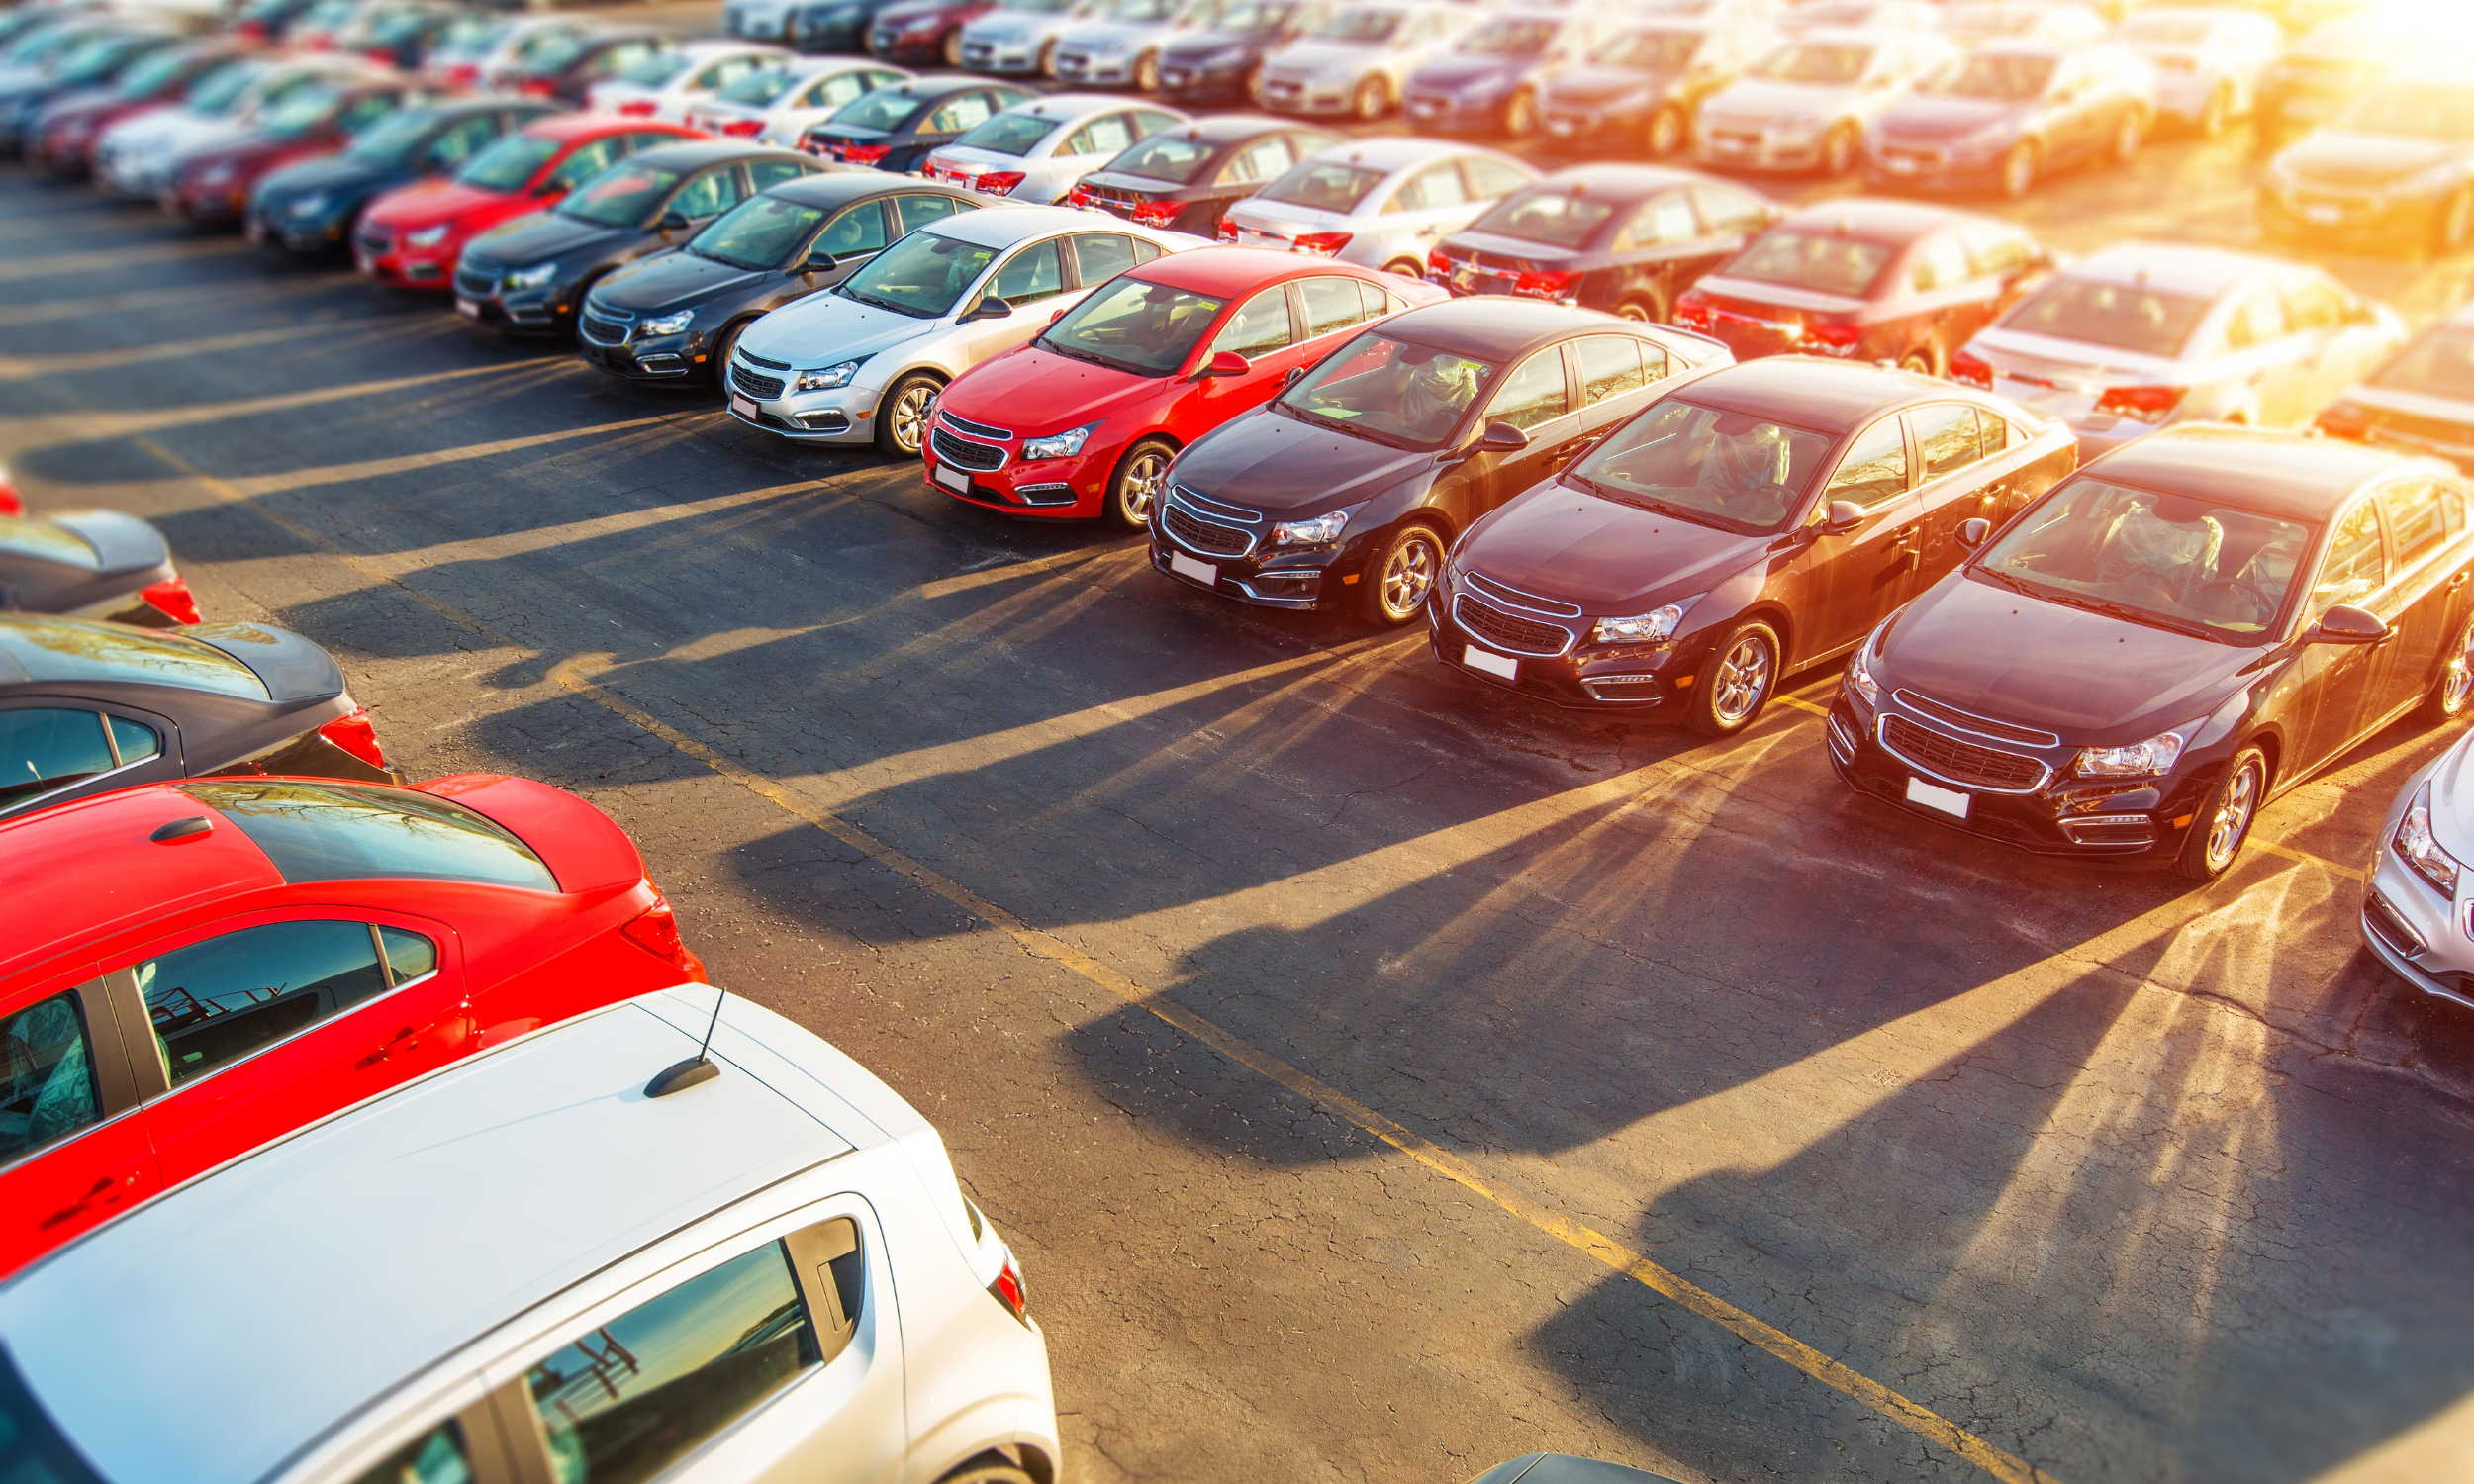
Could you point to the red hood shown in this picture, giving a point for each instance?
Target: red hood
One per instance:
(469, 209)
(1035, 392)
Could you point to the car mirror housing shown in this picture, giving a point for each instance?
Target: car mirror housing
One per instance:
(1502, 437)
(991, 307)
(1223, 363)
(1295, 375)
(1844, 514)
(2346, 624)
(1974, 532)
(819, 261)
(673, 221)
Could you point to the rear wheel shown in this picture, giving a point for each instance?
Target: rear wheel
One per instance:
(1406, 267)
(1665, 132)
(2019, 171)
(1371, 100)
(2455, 685)
(2224, 822)
(1520, 115)
(902, 418)
(1402, 574)
(1644, 308)
(1136, 485)
(988, 1469)
(1924, 360)
(1736, 683)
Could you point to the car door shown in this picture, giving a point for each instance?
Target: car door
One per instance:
(70, 1154)
(2265, 373)
(1262, 328)
(1858, 574)
(2336, 682)
(1951, 488)
(2424, 594)
(260, 1024)
(1031, 282)
(854, 235)
(1536, 398)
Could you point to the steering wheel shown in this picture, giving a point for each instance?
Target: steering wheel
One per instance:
(2258, 599)
(1766, 497)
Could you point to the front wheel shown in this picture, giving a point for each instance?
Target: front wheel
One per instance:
(2224, 822)
(1371, 100)
(953, 47)
(1520, 115)
(988, 1468)
(1136, 486)
(1402, 574)
(2455, 685)
(1047, 64)
(902, 418)
(1736, 685)
(1147, 72)
(1641, 308)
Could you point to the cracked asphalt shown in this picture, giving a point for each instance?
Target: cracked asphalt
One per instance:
(2130, 1182)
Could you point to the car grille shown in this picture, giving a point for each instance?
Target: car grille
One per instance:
(1969, 721)
(1186, 516)
(476, 283)
(602, 331)
(1506, 595)
(1509, 632)
(976, 429)
(1960, 762)
(376, 239)
(753, 384)
(962, 453)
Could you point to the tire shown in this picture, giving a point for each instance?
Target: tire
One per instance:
(1737, 682)
(2018, 175)
(988, 1468)
(1837, 151)
(1047, 63)
(2225, 820)
(2217, 112)
(1136, 485)
(1648, 307)
(723, 351)
(2455, 227)
(906, 407)
(2450, 693)
(1254, 86)
(1147, 72)
(1406, 267)
(1371, 100)
(1402, 574)
(953, 47)
(1924, 360)
(1664, 137)
(1520, 115)
(2129, 136)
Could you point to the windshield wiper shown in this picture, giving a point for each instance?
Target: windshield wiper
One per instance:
(847, 292)
(1649, 503)
(2122, 611)
(1093, 356)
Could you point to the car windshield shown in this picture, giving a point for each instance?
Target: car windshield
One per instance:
(219, 88)
(1985, 23)
(620, 196)
(399, 25)
(1396, 391)
(758, 233)
(74, 649)
(1822, 261)
(1557, 218)
(393, 141)
(1170, 157)
(1148, 329)
(1736, 470)
(2422, 111)
(1323, 186)
(2442, 362)
(551, 52)
(2169, 560)
(471, 36)
(655, 70)
(509, 164)
(1512, 36)
(1010, 132)
(759, 88)
(1814, 62)
(1246, 17)
(2124, 316)
(1360, 26)
(885, 108)
(2167, 31)
(153, 72)
(93, 60)
(336, 832)
(924, 275)
(299, 111)
(1036, 7)
(1654, 51)
(1987, 74)
(1142, 10)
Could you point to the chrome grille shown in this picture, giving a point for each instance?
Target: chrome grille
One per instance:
(1969, 721)
(753, 359)
(1510, 633)
(976, 429)
(1202, 535)
(1217, 509)
(476, 283)
(601, 331)
(962, 453)
(1947, 757)
(1511, 597)
(753, 384)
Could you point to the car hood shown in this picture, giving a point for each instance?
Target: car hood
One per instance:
(2342, 157)
(1784, 296)
(1940, 117)
(1066, 392)
(2087, 677)
(424, 201)
(1314, 57)
(1010, 27)
(829, 327)
(1608, 557)
(1274, 462)
(333, 172)
(546, 235)
(2452, 801)
(1761, 98)
(1450, 72)
(1520, 250)
(122, 543)
(290, 667)
(1595, 84)
(672, 279)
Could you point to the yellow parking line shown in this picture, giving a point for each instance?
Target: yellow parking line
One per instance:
(2350, 873)
(1803, 705)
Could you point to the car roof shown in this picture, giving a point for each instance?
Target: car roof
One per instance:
(1226, 129)
(830, 188)
(2172, 267)
(1494, 327)
(1393, 152)
(1879, 218)
(2288, 474)
(940, 87)
(1628, 182)
(476, 1192)
(594, 125)
(1825, 395)
(695, 155)
(1073, 108)
(1003, 226)
(1234, 270)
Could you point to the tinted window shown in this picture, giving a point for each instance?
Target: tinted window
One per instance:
(2125, 316)
(1009, 133)
(1666, 220)
(1261, 161)
(588, 161)
(1946, 438)
(46, 1092)
(1725, 211)
(924, 275)
(73, 649)
(1331, 304)
(761, 232)
(325, 832)
(459, 142)
(2414, 519)
(2440, 360)
(1323, 186)
(1819, 261)
(764, 174)
(1533, 394)
(2312, 305)
(1941, 263)
(620, 196)
(624, 1402)
(1492, 178)
(214, 1003)
(1378, 303)
(509, 164)
(45, 749)
(434, 1457)
(859, 230)
(918, 210)
(2258, 318)
(1610, 366)
(1035, 273)
(1102, 255)
(1874, 468)
(1430, 189)
(1732, 467)
(1173, 157)
(136, 743)
(1259, 325)
(834, 91)
(707, 195)
(2184, 561)
(1396, 391)
(1111, 135)
(2353, 568)
(1552, 216)
(967, 112)
(1998, 254)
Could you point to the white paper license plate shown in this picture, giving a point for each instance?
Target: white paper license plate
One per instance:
(745, 406)
(1493, 664)
(1949, 801)
(468, 309)
(953, 478)
(1201, 572)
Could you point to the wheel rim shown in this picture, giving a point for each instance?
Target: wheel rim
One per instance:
(1665, 132)
(1369, 99)
(1520, 115)
(1917, 362)
(1409, 576)
(908, 415)
(2232, 821)
(1634, 310)
(1048, 59)
(953, 49)
(2126, 138)
(1743, 679)
(2460, 223)
(2212, 118)
(1140, 487)
(1147, 74)
(1838, 153)
(2460, 681)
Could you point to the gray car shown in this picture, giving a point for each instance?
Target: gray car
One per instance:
(2420, 887)
(1121, 46)
(1020, 36)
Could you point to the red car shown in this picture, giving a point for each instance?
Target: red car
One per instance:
(924, 31)
(64, 133)
(1867, 280)
(1083, 420)
(411, 238)
(214, 185)
(193, 970)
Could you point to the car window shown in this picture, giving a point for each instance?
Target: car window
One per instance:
(1946, 436)
(629, 144)
(409, 955)
(457, 143)
(436, 1457)
(1035, 273)
(1874, 467)
(722, 74)
(1323, 186)
(960, 115)
(2414, 519)
(1102, 255)
(75, 649)
(2258, 318)
(1331, 304)
(327, 832)
(2312, 305)
(707, 195)
(1941, 263)
(1732, 467)
(1260, 160)
(1488, 179)
(764, 174)
(1395, 391)
(1378, 303)
(1259, 325)
(1533, 395)
(858, 230)
(1725, 211)
(1430, 189)
(1660, 222)
(228, 996)
(759, 233)
(1611, 365)
(637, 1394)
(2353, 569)
(1150, 121)
(587, 161)
(1148, 329)
(43, 749)
(1111, 136)
(834, 91)
(918, 210)
(1997, 252)
(47, 1076)
(365, 111)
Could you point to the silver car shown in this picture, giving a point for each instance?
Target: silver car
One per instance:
(2208, 60)
(140, 156)
(2142, 335)
(1121, 44)
(1806, 105)
(1037, 151)
(1359, 61)
(1380, 203)
(2417, 904)
(777, 104)
(1020, 36)
(863, 360)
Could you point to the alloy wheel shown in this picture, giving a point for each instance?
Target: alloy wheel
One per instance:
(2017, 171)
(1140, 487)
(1409, 575)
(1147, 72)
(908, 415)
(1837, 151)
(1372, 98)
(1741, 681)
(2231, 819)
(1520, 115)
(2457, 225)
(2217, 112)
(1048, 58)
(2127, 136)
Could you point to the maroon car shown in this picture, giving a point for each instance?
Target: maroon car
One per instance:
(1868, 280)
(213, 186)
(63, 132)
(924, 31)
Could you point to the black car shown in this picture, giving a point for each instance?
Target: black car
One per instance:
(530, 275)
(311, 206)
(1182, 178)
(894, 129)
(662, 318)
(1487, 80)
(567, 67)
(1644, 84)
(2421, 400)
(1345, 489)
(87, 707)
(91, 564)
(831, 24)
(93, 63)
(2394, 170)
(2192, 625)
(1223, 63)
(1626, 238)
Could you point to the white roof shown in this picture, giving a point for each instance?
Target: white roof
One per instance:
(1394, 152)
(1003, 225)
(252, 1309)
(1065, 107)
(2171, 267)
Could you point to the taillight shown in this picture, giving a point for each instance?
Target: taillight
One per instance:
(381, 56)
(2142, 404)
(463, 74)
(1228, 231)
(539, 87)
(353, 732)
(172, 598)
(1007, 1290)
(1836, 339)
(1156, 213)
(1972, 368)
(1079, 196)
(2343, 421)
(1694, 309)
(997, 182)
(1436, 262)
(636, 108)
(860, 155)
(1322, 244)
(657, 931)
(1545, 284)
(11, 502)
(742, 128)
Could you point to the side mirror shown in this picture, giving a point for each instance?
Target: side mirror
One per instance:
(1225, 363)
(2346, 624)
(1502, 437)
(1975, 534)
(673, 221)
(819, 261)
(1843, 515)
(991, 307)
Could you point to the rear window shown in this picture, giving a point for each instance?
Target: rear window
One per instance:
(1824, 263)
(2121, 316)
(1556, 217)
(74, 649)
(1009, 133)
(46, 543)
(330, 832)
(1323, 186)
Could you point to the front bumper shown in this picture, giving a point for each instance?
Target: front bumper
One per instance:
(1919, 167)
(1515, 651)
(1183, 82)
(1310, 96)
(616, 348)
(480, 299)
(219, 205)
(761, 398)
(980, 471)
(1115, 67)
(304, 234)
(1002, 59)
(1195, 541)
(1740, 149)
(2421, 936)
(379, 256)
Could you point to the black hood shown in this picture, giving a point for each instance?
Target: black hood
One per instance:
(547, 235)
(1608, 557)
(1269, 461)
(677, 279)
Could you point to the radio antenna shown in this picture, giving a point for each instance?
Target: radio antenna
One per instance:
(696, 1069)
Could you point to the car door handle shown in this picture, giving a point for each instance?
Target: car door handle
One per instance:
(404, 1039)
(2458, 580)
(105, 1192)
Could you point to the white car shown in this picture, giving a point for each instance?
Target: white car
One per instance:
(1806, 105)
(777, 104)
(2028, 21)
(140, 156)
(1020, 36)
(757, 19)
(1035, 152)
(665, 85)
(1121, 44)
(1378, 202)
(1859, 15)
(528, 1266)
(863, 360)
(2208, 60)
(1358, 63)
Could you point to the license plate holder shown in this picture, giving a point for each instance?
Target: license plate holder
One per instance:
(1201, 572)
(1949, 801)
(1502, 666)
(744, 407)
(953, 478)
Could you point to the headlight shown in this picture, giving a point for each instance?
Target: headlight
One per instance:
(532, 277)
(2138, 760)
(667, 324)
(427, 237)
(310, 205)
(1062, 445)
(1320, 530)
(2416, 846)
(1860, 674)
(1654, 627)
(825, 380)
